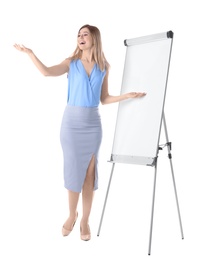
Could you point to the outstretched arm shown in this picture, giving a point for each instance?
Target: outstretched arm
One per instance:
(56, 70)
(108, 99)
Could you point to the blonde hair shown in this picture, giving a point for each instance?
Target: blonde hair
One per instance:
(97, 54)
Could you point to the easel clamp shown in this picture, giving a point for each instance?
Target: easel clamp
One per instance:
(169, 146)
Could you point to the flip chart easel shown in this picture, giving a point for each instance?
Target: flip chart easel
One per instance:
(139, 121)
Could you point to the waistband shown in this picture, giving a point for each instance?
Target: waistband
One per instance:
(82, 111)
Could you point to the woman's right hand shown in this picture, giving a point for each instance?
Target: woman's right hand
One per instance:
(22, 48)
(55, 70)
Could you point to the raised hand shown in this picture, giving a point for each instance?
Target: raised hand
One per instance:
(22, 48)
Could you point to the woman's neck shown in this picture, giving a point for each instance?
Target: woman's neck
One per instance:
(87, 56)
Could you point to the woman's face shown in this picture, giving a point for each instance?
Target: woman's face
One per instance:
(84, 39)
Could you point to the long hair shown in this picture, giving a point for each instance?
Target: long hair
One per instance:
(97, 54)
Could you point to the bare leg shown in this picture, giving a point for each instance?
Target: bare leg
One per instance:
(87, 196)
(73, 198)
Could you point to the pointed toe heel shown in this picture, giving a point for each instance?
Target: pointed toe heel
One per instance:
(66, 232)
(87, 236)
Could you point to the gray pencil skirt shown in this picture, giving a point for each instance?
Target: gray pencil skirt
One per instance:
(80, 136)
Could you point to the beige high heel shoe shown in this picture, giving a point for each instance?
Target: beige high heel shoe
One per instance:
(66, 232)
(86, 237)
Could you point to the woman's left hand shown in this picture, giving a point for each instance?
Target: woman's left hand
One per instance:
(135, 94)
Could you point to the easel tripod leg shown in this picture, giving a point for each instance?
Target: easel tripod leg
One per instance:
(177, 201)
(101, 220)
(173, 178)
(152, 211)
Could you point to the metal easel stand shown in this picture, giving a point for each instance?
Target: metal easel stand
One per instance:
(168, 144)
(108, 188)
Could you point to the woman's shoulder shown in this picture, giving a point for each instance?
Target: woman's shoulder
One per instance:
(72, 64)
(68, 61)
(71, 60)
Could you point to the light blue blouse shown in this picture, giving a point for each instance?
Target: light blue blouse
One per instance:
(84, 90)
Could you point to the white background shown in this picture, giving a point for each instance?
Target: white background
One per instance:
(33, 202)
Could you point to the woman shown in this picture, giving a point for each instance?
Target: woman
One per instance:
(81, 131)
